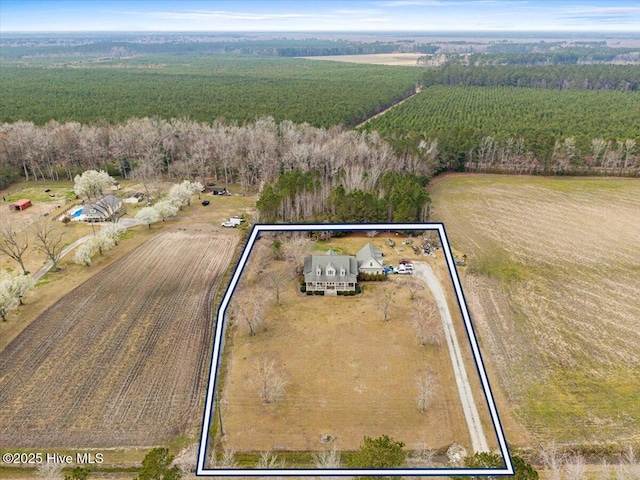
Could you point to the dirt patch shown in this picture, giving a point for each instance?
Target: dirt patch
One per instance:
(121, 359)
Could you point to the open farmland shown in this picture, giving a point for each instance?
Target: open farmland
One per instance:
(348, 373)
(121, 360)
(397, 59)
(553, 284)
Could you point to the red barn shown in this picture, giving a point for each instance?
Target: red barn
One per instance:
(20, 204)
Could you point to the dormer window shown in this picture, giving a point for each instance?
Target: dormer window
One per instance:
(331, 270)
(318, 270)
(342, 272)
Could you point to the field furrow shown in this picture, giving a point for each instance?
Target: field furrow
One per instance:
(121, 359)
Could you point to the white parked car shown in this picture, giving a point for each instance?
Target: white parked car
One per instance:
(228, 224)
(403, 270)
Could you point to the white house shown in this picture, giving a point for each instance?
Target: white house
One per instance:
(370, 260)
(330, 273)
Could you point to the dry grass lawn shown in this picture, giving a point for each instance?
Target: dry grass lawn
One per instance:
(349, 373)
(553, 287)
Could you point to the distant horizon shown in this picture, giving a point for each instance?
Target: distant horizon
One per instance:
(328, 16)
(335, 32)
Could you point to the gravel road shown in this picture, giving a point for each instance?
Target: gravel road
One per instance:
(478, 438)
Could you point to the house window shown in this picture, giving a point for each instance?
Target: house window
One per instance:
(330, 271)
(371, 264)
(318, 270)
(342, 271)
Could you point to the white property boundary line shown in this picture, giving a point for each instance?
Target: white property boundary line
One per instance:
(201, 470)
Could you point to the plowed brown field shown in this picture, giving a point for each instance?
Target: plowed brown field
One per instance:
(120, 361)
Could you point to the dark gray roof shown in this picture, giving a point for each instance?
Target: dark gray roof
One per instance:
(104, 207)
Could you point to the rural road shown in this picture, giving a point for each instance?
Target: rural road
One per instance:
(478, 438)
(388, 108)
(125, 222)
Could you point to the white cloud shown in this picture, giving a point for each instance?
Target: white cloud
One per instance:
(446, 3)
(222, 14)
(598, 11)
(373, 20)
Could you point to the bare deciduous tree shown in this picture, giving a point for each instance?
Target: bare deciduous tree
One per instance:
(261, 257)
(427, 387)
(268, 379)
(552, 458)
(295, 249)
(269, 460)
(225, 460)
(426, 323)
(327, 458)
(49, 471)
(13, 244)
(186, 460)
(412, 285)
(575, 467)
(49, 240)
(277, 280)
(384, 300)
(248, 309)
(629, 466)
(422, 455)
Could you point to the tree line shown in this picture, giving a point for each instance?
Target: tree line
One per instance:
(351, 197)
(562, 77)
(249, 155)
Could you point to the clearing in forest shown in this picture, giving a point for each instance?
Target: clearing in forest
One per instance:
(553, 284)
(344, 372)
(121, 360)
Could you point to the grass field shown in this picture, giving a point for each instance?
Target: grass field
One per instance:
(348, 372)
(397, 59)
(553, 287)
(120, 360)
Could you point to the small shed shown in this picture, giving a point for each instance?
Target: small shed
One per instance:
(21, 204)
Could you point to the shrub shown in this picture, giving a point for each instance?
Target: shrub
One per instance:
(371, 277)
(303, 288)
